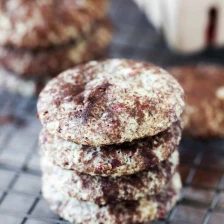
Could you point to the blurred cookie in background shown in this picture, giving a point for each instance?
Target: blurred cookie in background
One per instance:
(27, 63)
(46, 23)
(204, 96)
(39, 39)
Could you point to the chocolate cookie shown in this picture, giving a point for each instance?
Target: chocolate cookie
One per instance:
(204, 88)
(113, 160)
(104, 190)
(144, 210)
(110, 102)
(51, 61)
(34, 24)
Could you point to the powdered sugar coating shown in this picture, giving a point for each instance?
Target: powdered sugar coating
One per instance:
(104, 190)
(113, 160)
(110, 102)
(144, 210)
(43, 23)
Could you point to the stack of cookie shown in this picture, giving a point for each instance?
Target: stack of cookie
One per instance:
(39, 39)
(110, 142)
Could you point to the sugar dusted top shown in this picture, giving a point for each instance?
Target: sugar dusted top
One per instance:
(110, 102)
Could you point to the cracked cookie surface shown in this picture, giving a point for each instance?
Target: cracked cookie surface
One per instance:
(112, 160)
(106, 190)
(110, 102)
(141, 211)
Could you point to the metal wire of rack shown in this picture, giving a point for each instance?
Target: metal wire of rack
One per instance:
(202, 162)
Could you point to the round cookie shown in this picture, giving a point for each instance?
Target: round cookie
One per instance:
(204, 89)
(112, 160)
(43, 23)
(142, 211)
(110, 102)
(51, 61)
(106, 190)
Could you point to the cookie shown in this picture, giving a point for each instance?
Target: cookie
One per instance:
(113, 160)
(110, 102)
(141, 211)
(204, 88)
(106, 190)
(45, 23)
(51, 61)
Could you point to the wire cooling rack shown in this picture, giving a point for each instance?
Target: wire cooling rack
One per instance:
(202, 162)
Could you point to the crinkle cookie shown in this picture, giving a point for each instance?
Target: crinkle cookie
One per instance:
(204, 87)
(144, 210)
(43, 23)
(112, 160)
(110, 102)
(106, 190)
(51, 61)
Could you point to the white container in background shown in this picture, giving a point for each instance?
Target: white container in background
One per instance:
(188, 25)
